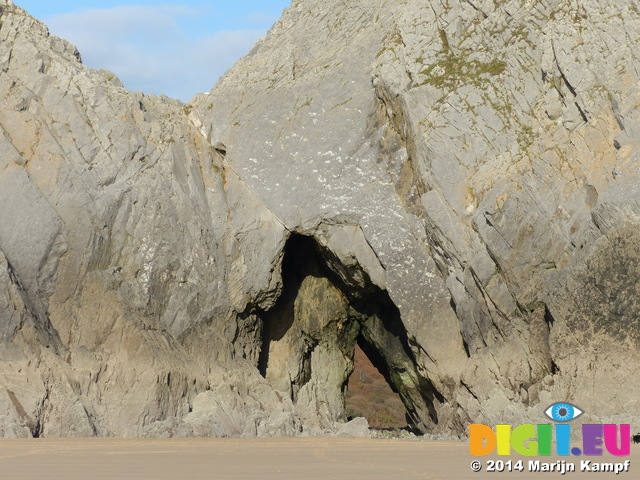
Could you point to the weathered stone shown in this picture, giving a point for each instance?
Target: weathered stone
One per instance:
(453, 186)
(481, 155)
(358, 427)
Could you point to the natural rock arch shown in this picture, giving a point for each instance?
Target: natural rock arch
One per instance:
(309, 338)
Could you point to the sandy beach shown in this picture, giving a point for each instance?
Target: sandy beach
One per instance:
(273, 458)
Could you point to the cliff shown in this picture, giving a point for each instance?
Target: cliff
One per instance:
(453, 186)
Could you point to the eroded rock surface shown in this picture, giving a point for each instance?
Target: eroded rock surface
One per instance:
(451, 185)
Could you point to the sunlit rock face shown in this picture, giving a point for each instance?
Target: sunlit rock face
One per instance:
(451, 185)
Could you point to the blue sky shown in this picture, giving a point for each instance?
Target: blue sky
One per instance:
(161, 47)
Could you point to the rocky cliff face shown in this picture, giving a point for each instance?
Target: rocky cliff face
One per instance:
(451, 185)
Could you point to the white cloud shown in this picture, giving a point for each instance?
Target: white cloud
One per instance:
(152, 49)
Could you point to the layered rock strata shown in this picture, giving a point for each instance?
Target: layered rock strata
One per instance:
(451, 185)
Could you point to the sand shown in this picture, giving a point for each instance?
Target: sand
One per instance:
(273, 458)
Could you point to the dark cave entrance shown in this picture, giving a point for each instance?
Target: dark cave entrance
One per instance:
(309, 339)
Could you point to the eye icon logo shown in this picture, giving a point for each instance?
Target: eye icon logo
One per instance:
(563, 412)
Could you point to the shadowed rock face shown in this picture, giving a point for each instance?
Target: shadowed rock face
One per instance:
(452, 185)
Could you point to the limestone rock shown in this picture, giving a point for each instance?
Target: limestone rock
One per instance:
(358, 428)
(483, 150)
(453, 186)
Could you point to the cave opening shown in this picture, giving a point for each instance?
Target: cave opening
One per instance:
(328, 318)
(369, 395)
